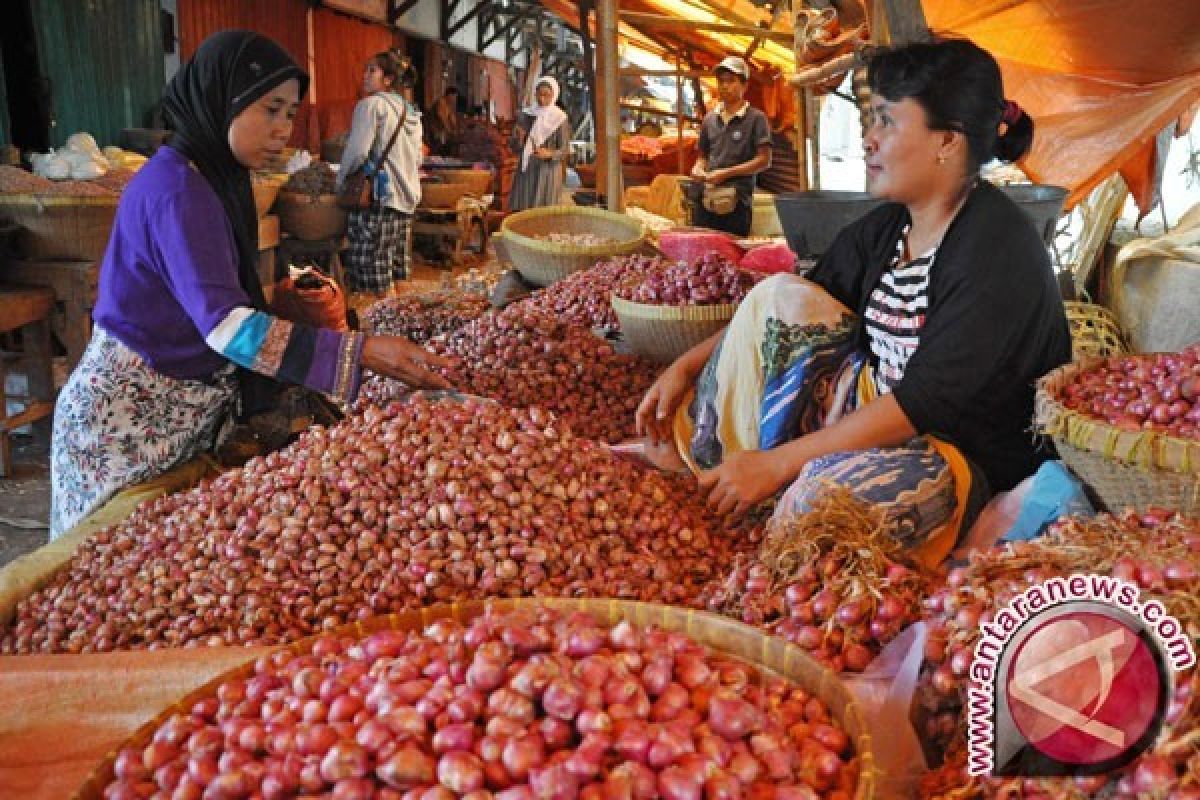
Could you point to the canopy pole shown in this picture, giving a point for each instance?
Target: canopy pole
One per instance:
(607, 19)
(679, 107)
(802, 138)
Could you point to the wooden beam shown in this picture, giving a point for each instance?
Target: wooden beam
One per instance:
(905, 21)
(662, 22)
(638, 72)
(470, 15)
(654, 112)
(835, 66)
(607, 17)
(446, 9)
(400, 8)
(586, 7)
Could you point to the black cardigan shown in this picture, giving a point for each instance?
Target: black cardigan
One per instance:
(995, 324)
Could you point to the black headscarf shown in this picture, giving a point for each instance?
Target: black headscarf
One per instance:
(227, 73)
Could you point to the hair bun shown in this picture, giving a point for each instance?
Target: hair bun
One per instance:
(1017, 137)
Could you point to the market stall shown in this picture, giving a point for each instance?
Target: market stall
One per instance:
(504, 592)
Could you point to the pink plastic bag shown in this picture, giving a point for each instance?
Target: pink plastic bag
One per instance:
(769, 259)
(687, 244)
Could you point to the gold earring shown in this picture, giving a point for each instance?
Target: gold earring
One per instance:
(941, 160)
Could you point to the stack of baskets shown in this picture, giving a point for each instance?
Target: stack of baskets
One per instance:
(664, 333)
(543, 262)
(1134, 468)
(454, 184)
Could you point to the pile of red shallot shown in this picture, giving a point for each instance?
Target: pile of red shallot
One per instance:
(529, 705)
(584, 298)
(522, 359)
(423, 315)
(1156, 550)
(396, 507)
(706, 280)
(832, 580)
(1159, 391)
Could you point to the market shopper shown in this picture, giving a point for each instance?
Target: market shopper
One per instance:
(180, 307)
(735, 145)
(380, 252)
(541, 136)
(904, 367)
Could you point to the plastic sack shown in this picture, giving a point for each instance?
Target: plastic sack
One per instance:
(83, 142)
(1027, 509)
(769, 259)
(884, 692)
(311, 298)
(86, 166)
(52, 166)
(686, 244)
(301, 159)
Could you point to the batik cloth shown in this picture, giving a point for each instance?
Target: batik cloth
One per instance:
(119, 422)
(786, 366)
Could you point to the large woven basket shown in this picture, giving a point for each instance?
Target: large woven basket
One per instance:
(771, 655)
(59, 227)
(478, 181)
(1137, 469)
(1094, 331)
(543, 262)
(442, 195)
(664, 333)
(309, 217)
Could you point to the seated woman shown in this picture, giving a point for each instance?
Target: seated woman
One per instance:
(904, 367)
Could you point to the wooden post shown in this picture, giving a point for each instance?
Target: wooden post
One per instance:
(802, 138)
(679, 108)
(814, 135)
(607, 20)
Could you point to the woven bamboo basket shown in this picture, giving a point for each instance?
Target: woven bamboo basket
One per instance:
(1094, 331)
(771, 655)
(544, 262)
(664, 333)
(60, 227)
(443, 195)
(1137, 469)
(310, 218)
(478, 181)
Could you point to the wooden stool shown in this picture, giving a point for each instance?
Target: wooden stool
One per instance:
(27, 309)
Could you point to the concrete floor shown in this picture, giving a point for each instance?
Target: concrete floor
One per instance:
(25, 500)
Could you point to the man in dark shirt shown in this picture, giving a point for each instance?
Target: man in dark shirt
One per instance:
(735, 145)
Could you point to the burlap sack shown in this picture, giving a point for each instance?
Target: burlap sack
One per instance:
(1156, 288)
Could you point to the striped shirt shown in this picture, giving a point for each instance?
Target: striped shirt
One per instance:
(895, 314)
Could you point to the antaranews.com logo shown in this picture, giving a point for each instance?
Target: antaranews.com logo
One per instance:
(1071, 678)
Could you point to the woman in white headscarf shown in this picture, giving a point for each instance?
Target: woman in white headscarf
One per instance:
(541, 136)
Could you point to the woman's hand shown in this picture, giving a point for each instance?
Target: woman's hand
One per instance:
(743, 480)
(655, 415)
(397, 357)
(545, 153)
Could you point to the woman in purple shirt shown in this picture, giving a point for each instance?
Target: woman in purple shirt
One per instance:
(181, 334)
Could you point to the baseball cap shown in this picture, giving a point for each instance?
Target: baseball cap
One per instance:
(736, 65)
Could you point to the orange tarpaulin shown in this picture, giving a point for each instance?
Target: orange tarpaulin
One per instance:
(63, 714)
(1100, 79)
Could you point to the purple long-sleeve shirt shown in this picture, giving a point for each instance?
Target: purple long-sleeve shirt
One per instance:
(169, 291)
